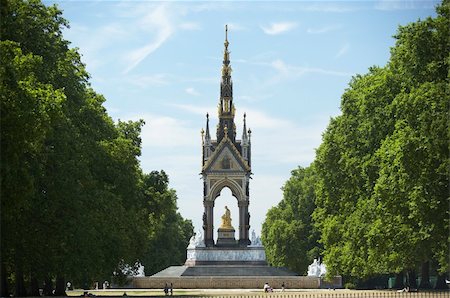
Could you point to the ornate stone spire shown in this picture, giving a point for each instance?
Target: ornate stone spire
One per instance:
(226, 106)
(206, 141)
(244, 132)
(207, 135)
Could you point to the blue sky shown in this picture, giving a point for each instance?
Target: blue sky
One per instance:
(161, 61)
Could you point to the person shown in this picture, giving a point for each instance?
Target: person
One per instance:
(166, 289)
(282, 287)
(267, 288)
(171, 289)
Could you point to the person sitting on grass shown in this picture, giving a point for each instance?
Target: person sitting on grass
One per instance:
(267, 288)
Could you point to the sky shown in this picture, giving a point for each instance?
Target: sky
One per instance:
(291, 61)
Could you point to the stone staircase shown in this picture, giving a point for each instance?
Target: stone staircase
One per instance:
(237, 271)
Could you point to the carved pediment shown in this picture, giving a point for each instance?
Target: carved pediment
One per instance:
(226, 158)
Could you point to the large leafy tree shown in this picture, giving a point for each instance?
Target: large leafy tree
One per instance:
(72, 199)
(383, 165)
(288, 234)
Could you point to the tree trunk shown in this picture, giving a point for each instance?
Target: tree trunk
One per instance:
(34, 285)
(20, 283)
(412, 282)
(4, 282)
(399, 281)
(60, 286)
(425, 276)
(48, 286)
(440, 283)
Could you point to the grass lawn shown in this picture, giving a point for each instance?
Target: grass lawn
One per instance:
(289, 293)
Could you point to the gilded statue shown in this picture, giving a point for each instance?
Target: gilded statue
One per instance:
(226, 219)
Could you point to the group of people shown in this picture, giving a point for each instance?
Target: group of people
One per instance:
(168, 289)
(268, 288)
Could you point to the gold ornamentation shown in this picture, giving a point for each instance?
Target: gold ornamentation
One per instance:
(226, 219)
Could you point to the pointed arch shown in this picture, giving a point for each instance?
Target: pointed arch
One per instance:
(236, 189)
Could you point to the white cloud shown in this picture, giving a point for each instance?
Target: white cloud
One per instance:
(278, 28)
(166, 132)
(322, 30)
(286, 71)
(158, 22)
(92, 42)
(343, 50)
(191, 91)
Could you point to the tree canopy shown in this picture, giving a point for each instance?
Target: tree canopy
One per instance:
(381, 173)
(74, 200)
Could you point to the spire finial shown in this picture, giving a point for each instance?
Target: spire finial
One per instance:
(244, 131)
(226, 32)
(207, 135)
(226, 43)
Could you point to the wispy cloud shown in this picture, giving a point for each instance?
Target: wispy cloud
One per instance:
(191, 91)
(92, 42)
(150, 80)
(158, 21)
(404, 5)
(286, 71)
(322, 30)
(343, 50)
(278, 28)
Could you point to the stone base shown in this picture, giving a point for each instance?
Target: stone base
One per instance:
(225, 238)
(234, 282)
(226, 256)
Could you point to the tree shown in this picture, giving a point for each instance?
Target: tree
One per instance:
(382, 166)
(72, 190)
(288, 235)
(168, 233)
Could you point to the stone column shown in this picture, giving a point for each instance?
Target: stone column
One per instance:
(243, 223)
(209, 227)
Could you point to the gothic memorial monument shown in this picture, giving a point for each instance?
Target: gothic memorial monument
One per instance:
(226, 162)
(233, 260)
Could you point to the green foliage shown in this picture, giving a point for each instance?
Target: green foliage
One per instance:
(74, 201)
(288, 235)
(382, 197)
(378, 188)
(168, 233)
